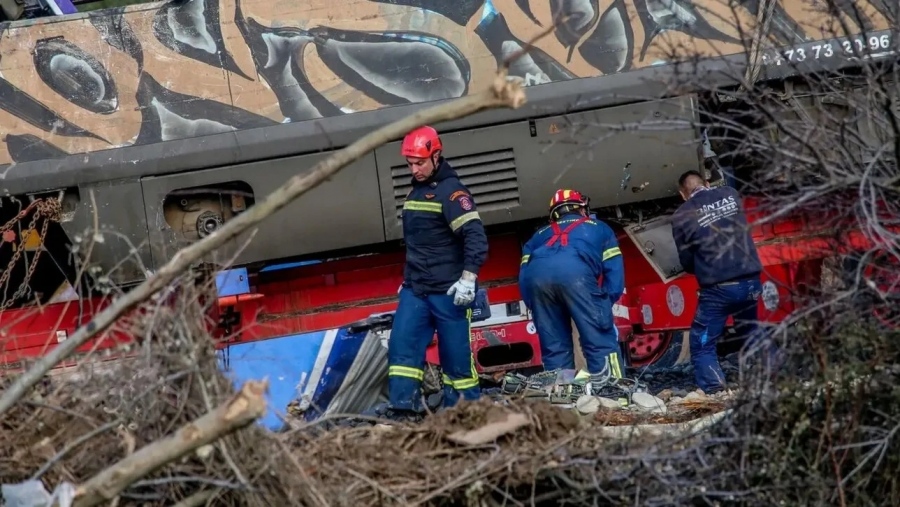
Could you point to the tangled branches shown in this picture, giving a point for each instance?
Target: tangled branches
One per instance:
(90, 417)
(781, 446)
(828, 440)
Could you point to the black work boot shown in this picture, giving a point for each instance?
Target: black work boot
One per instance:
(403, 416)
(384, 413)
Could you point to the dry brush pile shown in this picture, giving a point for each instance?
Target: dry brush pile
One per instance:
(808, 442)
(80, 422)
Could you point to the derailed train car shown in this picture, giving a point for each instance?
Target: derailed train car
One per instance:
(162, 121)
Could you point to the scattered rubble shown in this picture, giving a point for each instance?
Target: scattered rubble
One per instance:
(665, 395)
(649, 403)
(589, 404)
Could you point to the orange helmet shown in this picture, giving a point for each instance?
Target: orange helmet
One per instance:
(565, 201)
(421, 143)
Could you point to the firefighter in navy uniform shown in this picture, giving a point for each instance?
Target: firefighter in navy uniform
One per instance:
(715, 245)
(558, 277)
(446, 246)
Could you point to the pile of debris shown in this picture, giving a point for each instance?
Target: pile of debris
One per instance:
(657, 394)
(634, 405)
(464, 451)
(79, 426)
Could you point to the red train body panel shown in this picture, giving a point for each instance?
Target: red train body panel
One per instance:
(333, 294)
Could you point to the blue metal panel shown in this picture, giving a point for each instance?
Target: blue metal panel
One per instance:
(284, 361)
(341, 357)
(232, 282)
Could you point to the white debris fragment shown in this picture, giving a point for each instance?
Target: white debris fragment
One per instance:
(695, 396)
(649, 403)
(587, 404)
(610, 404)
(33, 494)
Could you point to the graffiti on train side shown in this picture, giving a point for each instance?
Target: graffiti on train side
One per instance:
(152, 73)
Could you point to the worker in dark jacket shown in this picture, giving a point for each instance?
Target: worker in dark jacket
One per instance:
(558, 277)
(714, 244)
(445, 248)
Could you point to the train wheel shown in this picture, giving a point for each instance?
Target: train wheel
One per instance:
(647, 349)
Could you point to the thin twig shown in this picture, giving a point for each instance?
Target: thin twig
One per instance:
(72, 446)
(242, 409)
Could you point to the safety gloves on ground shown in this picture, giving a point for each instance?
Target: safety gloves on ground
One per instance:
(463, 291)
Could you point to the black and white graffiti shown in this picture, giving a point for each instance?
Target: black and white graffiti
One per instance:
(316, 62)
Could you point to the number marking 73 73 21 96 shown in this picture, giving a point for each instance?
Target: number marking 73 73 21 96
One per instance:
(875, 45)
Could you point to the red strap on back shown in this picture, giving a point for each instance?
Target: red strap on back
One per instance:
(563, 235)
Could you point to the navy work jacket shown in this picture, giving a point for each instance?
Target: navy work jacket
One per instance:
(443, 232)
(589, 246)
(713, 238)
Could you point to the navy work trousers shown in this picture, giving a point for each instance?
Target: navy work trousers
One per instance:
(559, 293)
(716, 303)
(415, 322)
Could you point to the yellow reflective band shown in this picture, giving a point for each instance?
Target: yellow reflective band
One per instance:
(472, 369)
(464, 219)
(567, 194)
(610, 253)
(525, 258)
(465, 383)
(406, 371)
(614, 365)
(433, 207)
(468, 383)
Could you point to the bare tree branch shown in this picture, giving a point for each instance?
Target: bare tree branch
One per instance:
(242, 409)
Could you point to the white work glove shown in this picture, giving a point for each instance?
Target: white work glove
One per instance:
(464, 289)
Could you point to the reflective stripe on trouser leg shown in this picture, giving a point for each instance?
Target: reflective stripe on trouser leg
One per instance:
(592, 312)
(615, 368)
(412, 332)
(617, 371)
(454, 329)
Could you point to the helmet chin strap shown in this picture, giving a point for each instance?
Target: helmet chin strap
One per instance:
(435, 158)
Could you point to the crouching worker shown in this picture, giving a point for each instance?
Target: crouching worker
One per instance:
(558, 277)
(446, 246)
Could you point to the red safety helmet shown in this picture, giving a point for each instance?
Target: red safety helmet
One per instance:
(565, 201)
(421, 143)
